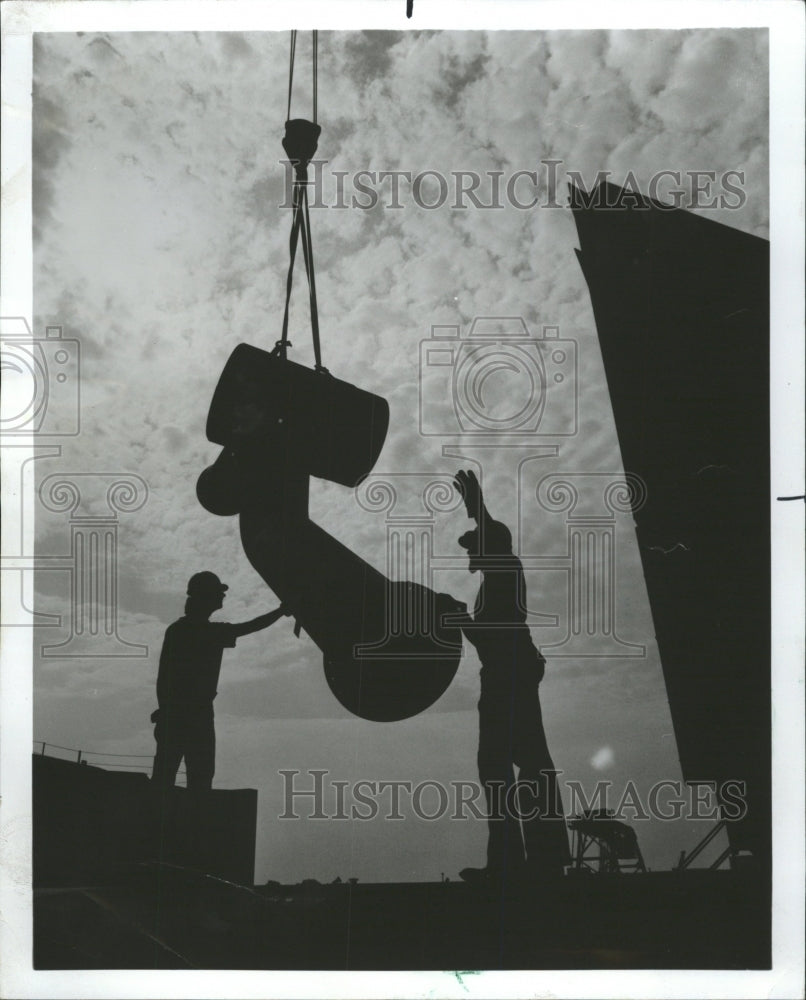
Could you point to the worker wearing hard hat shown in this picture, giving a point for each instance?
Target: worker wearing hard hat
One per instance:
(190, 663)
(525, 837)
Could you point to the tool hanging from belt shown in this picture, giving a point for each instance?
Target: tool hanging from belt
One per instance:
(301, 138)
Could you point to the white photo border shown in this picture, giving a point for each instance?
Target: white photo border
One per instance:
(785, 21)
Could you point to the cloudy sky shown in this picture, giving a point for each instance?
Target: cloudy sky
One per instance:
(160, 244)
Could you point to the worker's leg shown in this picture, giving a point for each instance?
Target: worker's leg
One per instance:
(504, 844)
(200, 752)
(544, 830)
(170, 750)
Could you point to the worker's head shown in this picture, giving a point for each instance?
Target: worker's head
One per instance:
(492, 539)
(206, 591)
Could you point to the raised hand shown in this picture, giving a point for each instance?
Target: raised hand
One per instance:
(468, 486)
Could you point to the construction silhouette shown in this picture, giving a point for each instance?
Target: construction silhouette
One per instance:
(510, 718)
(190, 664)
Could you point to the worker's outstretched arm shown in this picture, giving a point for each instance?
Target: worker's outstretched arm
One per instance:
(256, 624)
(465, 622)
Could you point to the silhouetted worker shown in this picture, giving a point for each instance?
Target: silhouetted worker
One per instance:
(510, 719)
(190, 663)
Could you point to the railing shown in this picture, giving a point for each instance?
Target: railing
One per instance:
(90, 757)
(686, 859)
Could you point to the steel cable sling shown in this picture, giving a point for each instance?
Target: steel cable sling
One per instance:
(301, 137)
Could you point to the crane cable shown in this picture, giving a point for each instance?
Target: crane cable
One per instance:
(300, 144)
(291, 71)
(314, 66)
(315, 62)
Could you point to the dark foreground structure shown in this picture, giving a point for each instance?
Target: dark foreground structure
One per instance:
(91, 824)
(163, 918)
(681, 307)
(682, 313)
(115, 889)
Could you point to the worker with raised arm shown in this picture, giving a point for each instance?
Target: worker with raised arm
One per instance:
(190, 663)
(510, 719)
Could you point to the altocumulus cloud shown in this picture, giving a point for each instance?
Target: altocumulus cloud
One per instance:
(160, 245)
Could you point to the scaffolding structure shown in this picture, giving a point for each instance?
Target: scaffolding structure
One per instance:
(604, 845)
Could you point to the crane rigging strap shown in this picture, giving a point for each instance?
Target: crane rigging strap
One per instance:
(301, 137)
(301, 227)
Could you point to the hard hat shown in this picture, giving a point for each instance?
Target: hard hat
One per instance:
(204, 583)
(494, 539)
